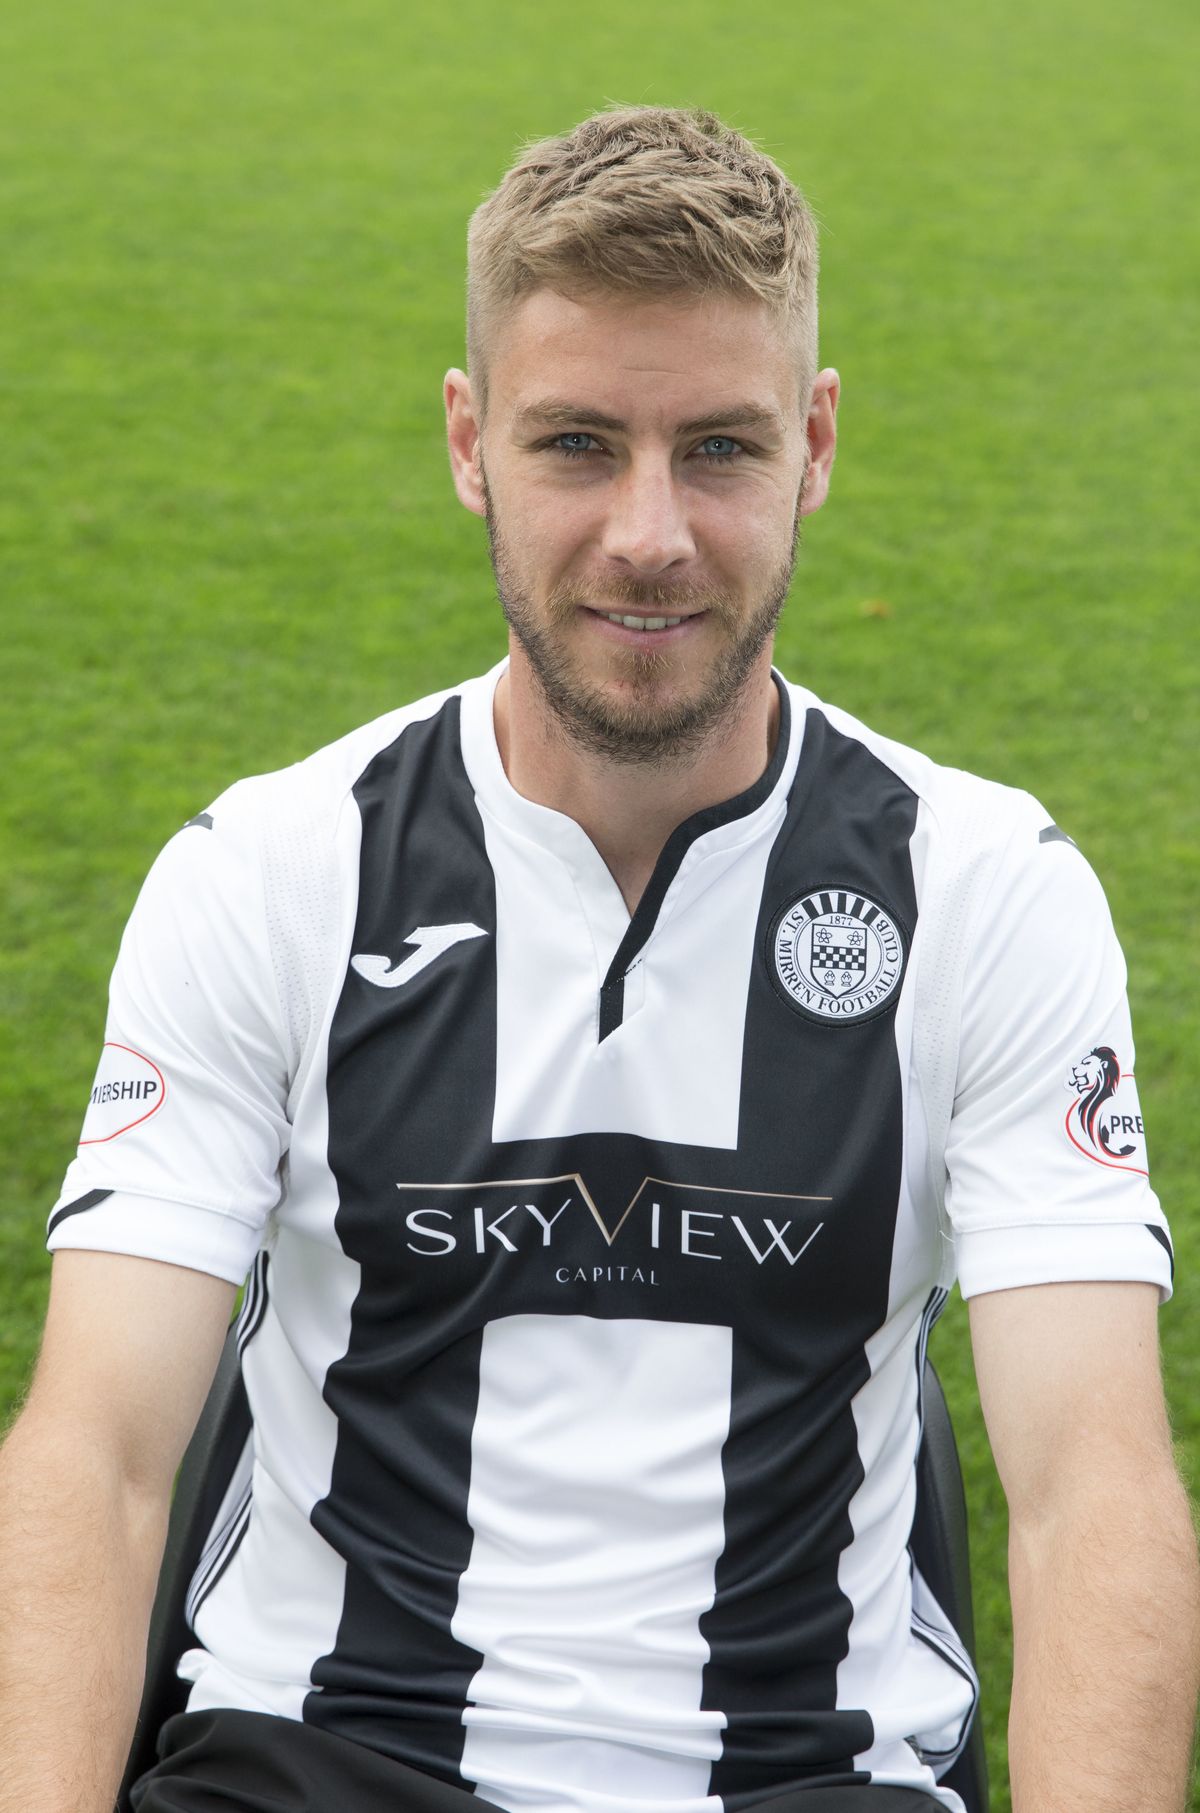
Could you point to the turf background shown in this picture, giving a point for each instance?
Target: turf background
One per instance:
(233, 245)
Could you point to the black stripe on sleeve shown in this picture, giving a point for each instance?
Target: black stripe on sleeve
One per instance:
(254, 1306)
(1163, 1238)
(77, 1207)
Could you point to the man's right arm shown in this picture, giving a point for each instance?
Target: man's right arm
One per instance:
(128, 1354)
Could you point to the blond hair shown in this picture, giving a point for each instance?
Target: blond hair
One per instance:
(651, 201)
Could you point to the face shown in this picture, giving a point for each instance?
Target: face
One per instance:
(643, 469)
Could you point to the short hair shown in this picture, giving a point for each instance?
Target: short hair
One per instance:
(645, 201)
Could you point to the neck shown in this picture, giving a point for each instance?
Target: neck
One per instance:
(629, 809)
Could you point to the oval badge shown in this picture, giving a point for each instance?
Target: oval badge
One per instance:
(128, 1089)
(837, 956)
(1104, 1121)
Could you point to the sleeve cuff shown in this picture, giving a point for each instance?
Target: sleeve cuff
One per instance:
(994, 1259)
(149, 1227)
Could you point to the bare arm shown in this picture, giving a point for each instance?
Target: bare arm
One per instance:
(129, 1351)
(1102, 1553)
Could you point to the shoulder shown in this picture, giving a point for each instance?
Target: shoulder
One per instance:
(310, 796)
(961, 816)
(275, 850)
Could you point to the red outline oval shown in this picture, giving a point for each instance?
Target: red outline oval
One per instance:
(1106, 1163)
(113, 1045)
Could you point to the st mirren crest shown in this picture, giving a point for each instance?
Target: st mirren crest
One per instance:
(837, 956)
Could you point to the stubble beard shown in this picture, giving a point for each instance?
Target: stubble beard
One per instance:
(639, 726)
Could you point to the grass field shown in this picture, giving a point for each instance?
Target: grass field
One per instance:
(234, 278)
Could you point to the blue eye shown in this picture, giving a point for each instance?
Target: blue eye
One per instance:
(574, 446)
(720, 447)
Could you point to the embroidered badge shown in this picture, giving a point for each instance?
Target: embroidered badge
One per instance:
(837, 955)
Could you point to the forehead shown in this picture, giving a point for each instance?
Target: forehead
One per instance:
(653, 361)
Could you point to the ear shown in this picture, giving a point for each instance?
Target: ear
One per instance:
(462, 435)
(821, 429)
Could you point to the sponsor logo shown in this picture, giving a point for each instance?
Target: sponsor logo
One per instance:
(837, 956)
(431, 942)
(1104, 1121)
(605, 1274)
(127, 1090)
(695, 1221)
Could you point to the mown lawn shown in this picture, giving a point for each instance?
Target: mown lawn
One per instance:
(233, 279)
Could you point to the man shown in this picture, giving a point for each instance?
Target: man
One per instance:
(561, 1057)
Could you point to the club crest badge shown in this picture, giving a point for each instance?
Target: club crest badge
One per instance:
(837, 956)
(1104, 1121)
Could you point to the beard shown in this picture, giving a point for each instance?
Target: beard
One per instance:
(639, 726)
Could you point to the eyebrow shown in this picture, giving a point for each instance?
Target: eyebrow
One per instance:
(550, 413)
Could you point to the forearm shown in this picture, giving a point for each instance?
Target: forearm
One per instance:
(79, 1556)
(1106, 1660)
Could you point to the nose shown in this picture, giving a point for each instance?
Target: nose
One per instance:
(647, 527)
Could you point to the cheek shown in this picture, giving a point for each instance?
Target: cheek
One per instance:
(558, 531)
(541, 519)
(751, 532)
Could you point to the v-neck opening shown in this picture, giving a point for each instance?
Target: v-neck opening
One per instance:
(562, 837)
(709, 818)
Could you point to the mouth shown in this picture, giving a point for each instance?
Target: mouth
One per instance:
(642, 624)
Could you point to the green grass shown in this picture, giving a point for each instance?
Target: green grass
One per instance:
(233, 279)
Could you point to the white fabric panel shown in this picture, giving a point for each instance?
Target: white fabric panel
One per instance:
(909, 1689)
(578, 1569)
(672, 1069)
(280, 1550)
(192, 1006)
(306, 1329)
(996, 1259)
(262, 1663)
(203, 1240)
(671, 1075)
(1044, 988)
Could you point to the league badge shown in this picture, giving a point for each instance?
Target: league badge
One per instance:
(127, 1090)
(837, 956)
(1104, 1121)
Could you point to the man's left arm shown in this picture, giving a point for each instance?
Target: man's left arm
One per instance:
(1103, 1569)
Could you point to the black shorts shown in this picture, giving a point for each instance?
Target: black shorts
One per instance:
(250, 1762)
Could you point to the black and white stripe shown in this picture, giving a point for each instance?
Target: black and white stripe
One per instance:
(412, 1080)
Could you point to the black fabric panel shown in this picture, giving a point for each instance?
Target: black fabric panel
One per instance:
(252, 1762)
(78, 1207)
(404, 1103)
(821, 1108)
(852, 1800)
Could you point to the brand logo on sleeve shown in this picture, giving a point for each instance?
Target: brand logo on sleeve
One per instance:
(128, 1089)
(1104, 1121)
(836, 955)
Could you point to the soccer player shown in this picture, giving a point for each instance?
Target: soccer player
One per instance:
(602, 1072)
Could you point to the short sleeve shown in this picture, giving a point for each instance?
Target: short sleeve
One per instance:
(186, 1126)
(1048, 1179)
